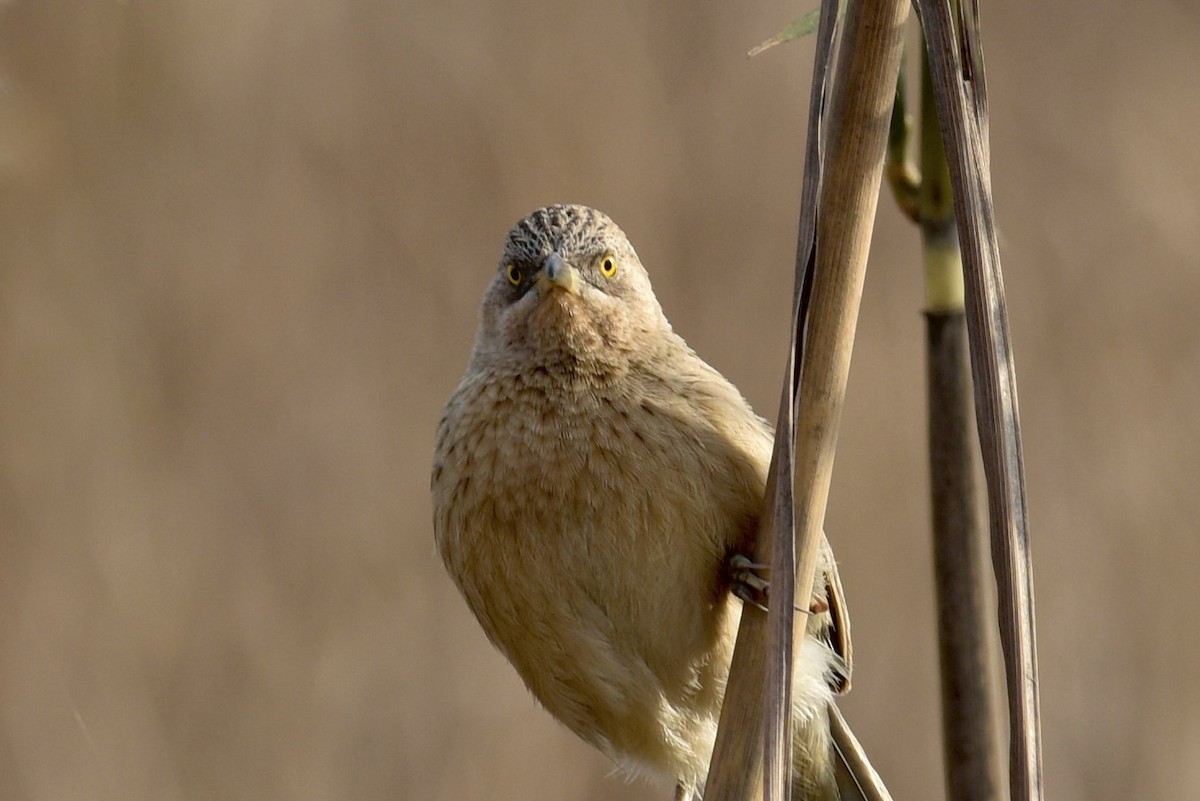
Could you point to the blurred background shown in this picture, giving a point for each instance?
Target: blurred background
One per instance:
(242, 247)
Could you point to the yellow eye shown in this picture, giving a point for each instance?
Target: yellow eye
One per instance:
(608, 265)
(514, 274)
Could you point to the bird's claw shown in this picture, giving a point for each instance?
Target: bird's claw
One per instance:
(756, 590)
(747, 584)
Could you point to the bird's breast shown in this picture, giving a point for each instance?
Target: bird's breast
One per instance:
(577, 495)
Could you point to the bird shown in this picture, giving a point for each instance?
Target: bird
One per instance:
(595, 486)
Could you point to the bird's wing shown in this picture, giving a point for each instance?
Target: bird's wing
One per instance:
(839, 629)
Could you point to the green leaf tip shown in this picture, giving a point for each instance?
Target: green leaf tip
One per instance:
(802, 27)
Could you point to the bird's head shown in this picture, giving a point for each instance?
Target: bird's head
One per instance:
(569, 288)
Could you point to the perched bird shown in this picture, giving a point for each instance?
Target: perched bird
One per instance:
(592, 481)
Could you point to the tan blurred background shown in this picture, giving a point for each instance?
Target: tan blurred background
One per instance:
(242, 245)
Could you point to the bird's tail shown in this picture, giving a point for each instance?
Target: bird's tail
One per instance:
(856, 779)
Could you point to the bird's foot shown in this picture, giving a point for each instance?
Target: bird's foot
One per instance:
(753, 589)
(748, 585)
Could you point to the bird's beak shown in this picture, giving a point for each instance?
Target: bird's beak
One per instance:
(557, 274)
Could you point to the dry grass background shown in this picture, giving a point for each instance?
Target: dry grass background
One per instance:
(241, 250)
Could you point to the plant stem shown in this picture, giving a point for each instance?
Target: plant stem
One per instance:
(964, 645)
(868, 62)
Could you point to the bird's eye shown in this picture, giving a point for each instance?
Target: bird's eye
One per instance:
(608, 265)
(514, 274)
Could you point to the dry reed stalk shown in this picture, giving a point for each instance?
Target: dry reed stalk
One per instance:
(856, 133)
(956, 68)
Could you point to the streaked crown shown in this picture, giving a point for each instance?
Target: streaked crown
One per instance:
(567, 229)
